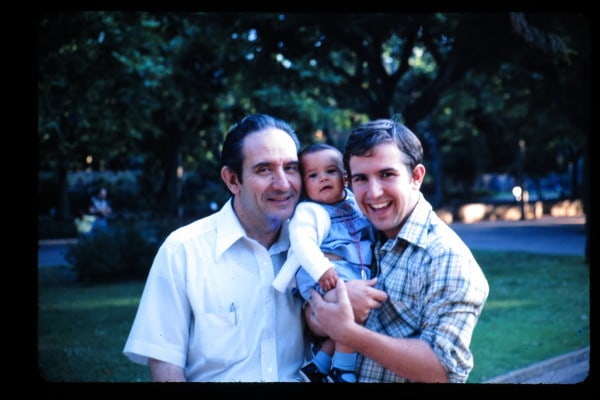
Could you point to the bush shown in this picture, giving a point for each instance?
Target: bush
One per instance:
(51, 228)
(122, 252)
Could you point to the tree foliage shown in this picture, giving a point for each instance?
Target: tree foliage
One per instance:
(157, 91)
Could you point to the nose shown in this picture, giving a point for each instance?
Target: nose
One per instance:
(374, 188)
(280, 180)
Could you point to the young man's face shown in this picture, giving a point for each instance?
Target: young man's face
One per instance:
(323, 181)
(271, 180)
(385, 187)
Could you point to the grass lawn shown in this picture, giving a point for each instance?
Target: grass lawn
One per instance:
(539, 307)
(82, 331)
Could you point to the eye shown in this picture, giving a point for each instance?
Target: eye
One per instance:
(292, 168)
(263, 170)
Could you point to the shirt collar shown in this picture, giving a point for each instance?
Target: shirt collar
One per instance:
(228, 227)
(413, 231)
(229, 231)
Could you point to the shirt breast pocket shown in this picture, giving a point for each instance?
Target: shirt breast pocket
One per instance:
(220, 338)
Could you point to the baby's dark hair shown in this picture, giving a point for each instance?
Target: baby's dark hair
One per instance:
(315, 147)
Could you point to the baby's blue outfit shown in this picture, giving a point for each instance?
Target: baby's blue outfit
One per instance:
(351, 237)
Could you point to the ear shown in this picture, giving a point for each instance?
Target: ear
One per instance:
(418, 175)
(231, 180)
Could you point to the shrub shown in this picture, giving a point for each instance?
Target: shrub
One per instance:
(122, 252)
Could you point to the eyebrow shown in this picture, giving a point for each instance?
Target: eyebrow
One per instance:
(270, 163)
(381, 171)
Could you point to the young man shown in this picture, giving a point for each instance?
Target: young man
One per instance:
(208, 311)
(435, 287)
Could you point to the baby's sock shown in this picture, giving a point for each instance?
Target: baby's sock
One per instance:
(323, 362)
(345, 362)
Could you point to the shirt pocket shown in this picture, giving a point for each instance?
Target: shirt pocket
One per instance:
(220, 338)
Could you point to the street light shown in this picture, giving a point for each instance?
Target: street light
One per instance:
(517, 192)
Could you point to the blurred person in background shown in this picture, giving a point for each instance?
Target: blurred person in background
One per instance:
(100, 209)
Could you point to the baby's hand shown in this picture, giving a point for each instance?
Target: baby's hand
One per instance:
(329, 279)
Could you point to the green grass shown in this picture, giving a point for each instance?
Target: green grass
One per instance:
(538, 307)
(82, 331)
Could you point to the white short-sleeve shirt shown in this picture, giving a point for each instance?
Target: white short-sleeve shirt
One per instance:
(208, 306)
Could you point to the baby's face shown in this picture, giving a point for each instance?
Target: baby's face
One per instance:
(322, 178)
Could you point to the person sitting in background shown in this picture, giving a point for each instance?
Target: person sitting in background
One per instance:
(100, 208)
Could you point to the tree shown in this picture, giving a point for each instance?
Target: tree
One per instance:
(470, 78)
(80, 96)
(166, 87)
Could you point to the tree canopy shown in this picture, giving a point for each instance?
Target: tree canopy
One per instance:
(157, 91)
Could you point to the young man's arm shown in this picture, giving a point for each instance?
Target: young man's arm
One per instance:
(413, 359)
(363, 298)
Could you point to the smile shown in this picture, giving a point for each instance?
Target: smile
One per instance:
(379, 206)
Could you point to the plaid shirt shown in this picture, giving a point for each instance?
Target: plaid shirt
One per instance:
(436, 292)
